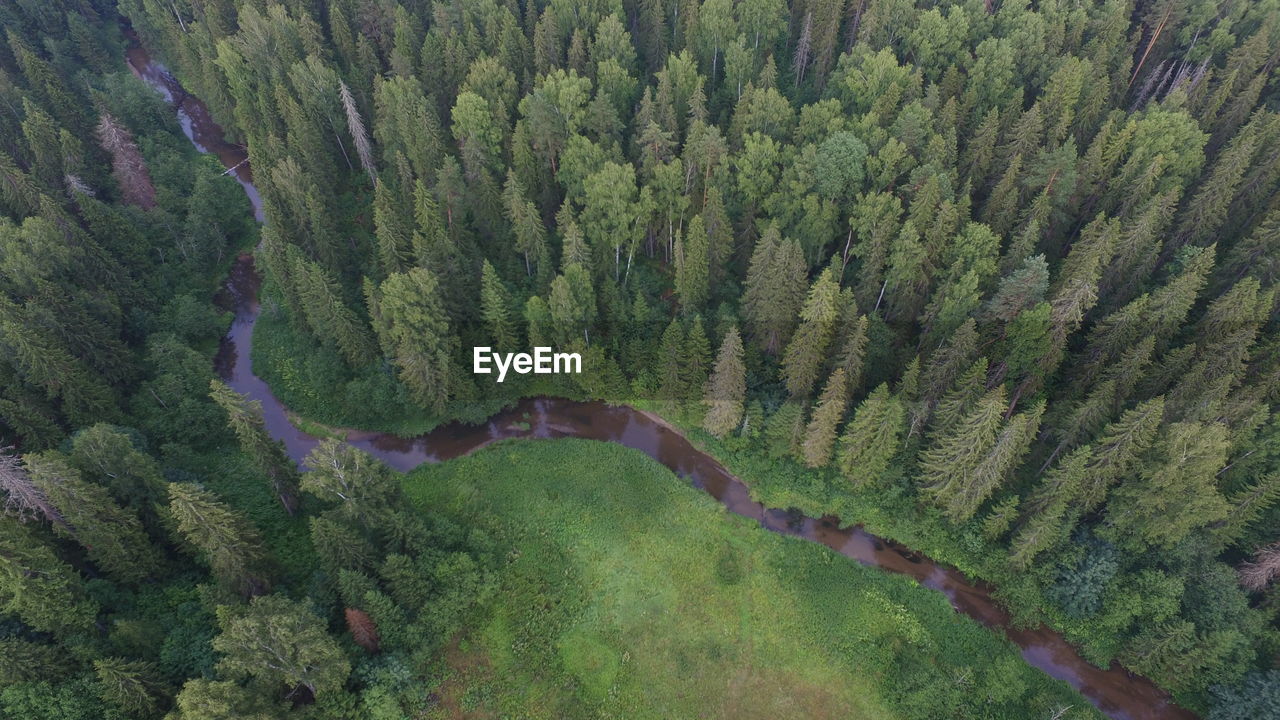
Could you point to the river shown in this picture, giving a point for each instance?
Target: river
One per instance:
(1117, 692)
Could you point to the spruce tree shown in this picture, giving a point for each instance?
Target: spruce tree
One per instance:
(37, 587)
(111, 535)
(692, 266)
(804, 356)
(727, 388)
(230, 545)
(267, 454)
(820, 434)
(873, 438)
(775, 290)
(495, 308)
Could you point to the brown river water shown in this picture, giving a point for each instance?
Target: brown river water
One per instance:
(1117, 692)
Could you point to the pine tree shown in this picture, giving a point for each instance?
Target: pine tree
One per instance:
(1051, 509)
(873, 438)
(695, 363)
(229, 543)
(392, 229)
(267, 454)
(950, 469)
(364, 631)
(129, 168)
(23, 500)
(25, 661)
(820, 435)
(727, 388)
(326, 312)
(1118, 449)
(671, 386)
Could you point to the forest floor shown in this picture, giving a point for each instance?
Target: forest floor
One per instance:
(629, 593)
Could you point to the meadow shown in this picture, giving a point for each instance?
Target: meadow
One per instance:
(629, 593)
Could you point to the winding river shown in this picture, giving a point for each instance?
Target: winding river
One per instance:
(1117, 692)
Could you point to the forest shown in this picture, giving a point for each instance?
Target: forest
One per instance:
(994, 278)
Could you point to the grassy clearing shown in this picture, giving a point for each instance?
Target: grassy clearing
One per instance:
(628, 593)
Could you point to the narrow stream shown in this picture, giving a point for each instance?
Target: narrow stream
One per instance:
(1117, 692)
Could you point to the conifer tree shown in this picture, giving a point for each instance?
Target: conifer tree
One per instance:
(414, 330)
(229, 543)
(803, 358)
(39, 588)
(267, 454)
(132, 686)
(774, 291)
(820, 434)
(495, 308)
(1119, 448)
(671, 387)
(727, 388)
(326, 313)
(1175, 493)
(872, 438)
(695, 362)
(112, 536)
(950, 473)
(692, 266)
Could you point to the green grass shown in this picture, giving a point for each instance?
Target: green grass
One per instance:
(628, 593)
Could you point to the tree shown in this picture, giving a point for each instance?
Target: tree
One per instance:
(872, 438)
(268, 455)
(326, 312)
(1257, 575)
(281, 645)
(112, 535)
(105, 454)
(22, 499)
(727, 389)
(804, 355)
(25, 661)
(613, 213)
(820, 435)
(38, 587)
(128, 167)
(1175, 493)
(230, 545)
(132, 686)
(414, 331)
(774, 290)
(949, 469)
(692, 266)
(202, 699)
(360, 484)
(572, 303)
(495, 308)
